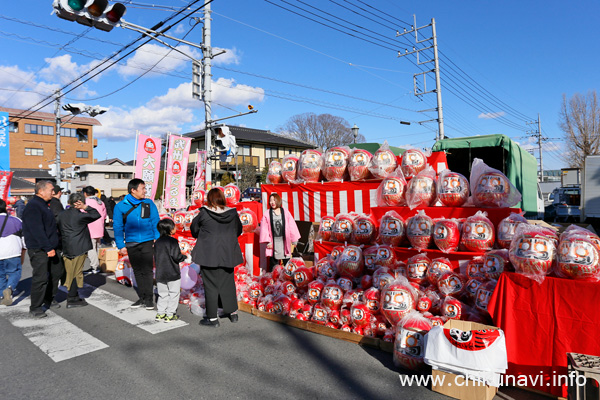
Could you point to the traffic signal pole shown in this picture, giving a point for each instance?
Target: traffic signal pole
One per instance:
(58, 122)
(207, 90)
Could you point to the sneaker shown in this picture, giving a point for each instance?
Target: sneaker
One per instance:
(149, 305)
(160, 317)
(38, 313)
(54, 304)
(172, 318)
(209, 322)
(7, 299)
(137, 304)
(78, 302)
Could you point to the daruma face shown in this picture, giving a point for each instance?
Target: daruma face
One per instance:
(492, 189)
(578, 258)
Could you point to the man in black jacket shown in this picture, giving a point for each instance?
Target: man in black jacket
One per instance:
(76, 242)
(41, 238)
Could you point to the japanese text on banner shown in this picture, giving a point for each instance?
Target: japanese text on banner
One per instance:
(176, 173)
(147, 165)
(5, 179)
(199, 183)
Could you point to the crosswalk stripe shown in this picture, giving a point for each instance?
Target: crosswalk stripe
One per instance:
(54, 335)
(120, 308)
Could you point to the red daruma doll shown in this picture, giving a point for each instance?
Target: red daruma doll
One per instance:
(274, 174)
(390, 192)
(446, 234)
(409, 346)
(232, 195)
(335, 163)
(391, 229)
(532, 251)
(421, 189)
(413, 162)
(343, 228)
(364, 229)
(249, 220)
(578, 258)
(358, 165)
(397, 299)
(198, 196)
(326, 228)
(309, 165)
(419, 229)
(289, 168)
(478, 233)
(507, 227)
(452, 189)
(383, 162)
(350, 263)
(491, 188)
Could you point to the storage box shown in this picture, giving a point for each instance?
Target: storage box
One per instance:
(108, 256)
(456, 386)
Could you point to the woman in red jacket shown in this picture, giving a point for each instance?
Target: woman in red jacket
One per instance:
(279, 230)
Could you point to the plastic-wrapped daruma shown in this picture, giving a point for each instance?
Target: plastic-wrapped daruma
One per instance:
(383, 163)
(386, 257)
(249, 220)
(309, 165)
(326, 228)
(413, 162)
(358, 166)
(325, 269)
(274, 174)
(232, 195)
(507, 227)
(289, 168)
(397, 299)
(452, 284)
(331, 296)
(350, 263)
(495, 262)
(364, 229)
(313, 294)
(446, 234)
(437, 267)
(416, 268)
(532, 251)
(303, 276)
(478, 233)
(343, 228)
(409, 346)
(361, 315)
(198, 196)
(391, 192)
(335, 163)
(419, 229)
(452, 189)
(421, 189)
(578, 258)
(391, 229)
(370, 257)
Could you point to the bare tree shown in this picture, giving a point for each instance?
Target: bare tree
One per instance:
(247, 176)
(323, 130)
(580, 123)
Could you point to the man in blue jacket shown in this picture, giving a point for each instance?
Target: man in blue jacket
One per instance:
(41, 237)
(134, 225)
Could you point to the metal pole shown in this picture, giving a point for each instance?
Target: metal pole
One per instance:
(540, 148)
(57, 116)
(438, 85)
(206, 89)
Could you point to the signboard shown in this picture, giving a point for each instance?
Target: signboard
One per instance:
(5, 179)
(147, 165)
(200, 170)
(4, 142)
(176, 172)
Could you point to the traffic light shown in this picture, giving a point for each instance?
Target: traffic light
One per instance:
(225, 144)
(97, 13)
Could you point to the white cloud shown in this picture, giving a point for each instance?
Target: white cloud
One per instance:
(179, 29)
(228, 93)
(231, 56)
(150, 54)
(491, 115)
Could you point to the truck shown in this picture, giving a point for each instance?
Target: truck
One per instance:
(590, 189)
(504, 154)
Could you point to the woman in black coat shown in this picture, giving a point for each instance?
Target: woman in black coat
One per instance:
(217, 251)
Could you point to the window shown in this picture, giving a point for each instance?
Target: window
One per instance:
(118, 175)
(68, 132)
(82, 154)
(39, 129)
(244, 150)
(271, 152)
(34, 152)
(13, 127)
(82, 135)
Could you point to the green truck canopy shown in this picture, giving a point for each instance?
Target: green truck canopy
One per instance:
(373, 147)
(499, 152)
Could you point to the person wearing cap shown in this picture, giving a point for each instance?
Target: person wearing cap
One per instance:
(41, 237)
(96, 227)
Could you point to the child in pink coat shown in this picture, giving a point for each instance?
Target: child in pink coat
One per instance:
(279, 230)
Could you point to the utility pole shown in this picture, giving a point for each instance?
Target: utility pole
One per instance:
(436, 70)
(58, 122)
(540, 139)
(206, 89)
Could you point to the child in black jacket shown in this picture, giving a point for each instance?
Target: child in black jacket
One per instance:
(167, 256)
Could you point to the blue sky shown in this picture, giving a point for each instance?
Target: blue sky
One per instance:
(502, 64)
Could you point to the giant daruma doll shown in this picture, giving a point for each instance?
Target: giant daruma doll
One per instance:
(335, 163)
(491, 188)
(199, 196)
(452, 189)
(507, 228)
(274, 174)
(289, 168)
(358, 166)
(249, 220)
(309, 165)
(232, 195)
(413, 162)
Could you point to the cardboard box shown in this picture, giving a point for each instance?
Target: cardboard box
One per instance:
(108, 256)
(455, 386)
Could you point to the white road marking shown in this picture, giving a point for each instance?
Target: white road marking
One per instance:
(120, 308)
(54, 335)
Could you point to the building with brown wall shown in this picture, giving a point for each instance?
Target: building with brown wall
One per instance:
(33, 139)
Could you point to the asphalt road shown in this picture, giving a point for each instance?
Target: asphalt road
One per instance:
(253, 359)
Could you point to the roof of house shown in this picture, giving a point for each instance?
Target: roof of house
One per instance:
(44, 116)
(31, 173)
(111, 161)
(243, 134)
(20, 184)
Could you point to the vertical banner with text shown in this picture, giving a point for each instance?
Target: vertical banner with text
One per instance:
(5, 180)
(4, 142)
(147, 164)
(199, 183)
(176, 173)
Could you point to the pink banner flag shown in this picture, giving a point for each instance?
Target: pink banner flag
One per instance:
(200, 171)
(147, 164)
(5, 179)
(176, 173)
